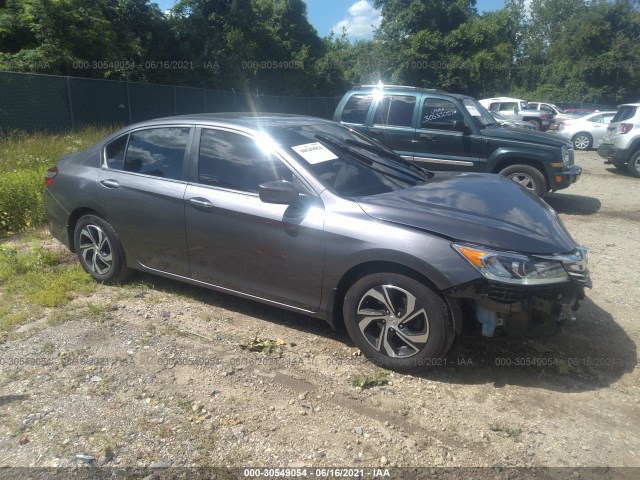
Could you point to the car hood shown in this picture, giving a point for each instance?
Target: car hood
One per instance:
(479, 208)
(530, 136)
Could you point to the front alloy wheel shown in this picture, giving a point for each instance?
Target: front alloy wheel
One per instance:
(529, 177)
(397, 321)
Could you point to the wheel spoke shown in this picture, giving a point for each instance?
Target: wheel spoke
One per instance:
(393, 321)
(95, 249)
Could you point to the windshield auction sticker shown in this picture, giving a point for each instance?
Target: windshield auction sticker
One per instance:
(314, 152)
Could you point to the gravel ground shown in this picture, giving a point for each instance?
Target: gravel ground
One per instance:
(154, 374)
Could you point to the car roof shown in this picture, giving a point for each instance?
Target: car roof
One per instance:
(405, 89)
(240, 119)
(503, 99)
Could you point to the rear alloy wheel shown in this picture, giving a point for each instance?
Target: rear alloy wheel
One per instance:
(529, 177)
(634, 165)
(582, 141)
(397, 322)
(99, 250)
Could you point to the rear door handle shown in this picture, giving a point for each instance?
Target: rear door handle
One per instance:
(109, 183)
(427, 136)
(375, 131)
(199, 202)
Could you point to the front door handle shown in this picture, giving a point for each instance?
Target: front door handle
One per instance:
(199, 202)
(427, 136)
(109, 183)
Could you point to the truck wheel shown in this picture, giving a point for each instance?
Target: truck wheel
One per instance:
(529, 177)
(537, 123)
(634, 165)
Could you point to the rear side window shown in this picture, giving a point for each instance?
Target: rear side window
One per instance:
(440, 114)
(158, 152)
(396, 110)
(114, 153)
(355, 111)
(625, 113)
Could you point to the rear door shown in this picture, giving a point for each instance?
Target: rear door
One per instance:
(393, 123)
(141, 187)
(356, 111)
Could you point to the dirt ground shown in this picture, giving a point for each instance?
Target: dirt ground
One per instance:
(154, 374)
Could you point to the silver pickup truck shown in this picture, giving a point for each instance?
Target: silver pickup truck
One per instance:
(516, 109)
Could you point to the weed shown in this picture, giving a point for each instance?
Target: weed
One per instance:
(265, 346)
(369, 381)
(509, 432)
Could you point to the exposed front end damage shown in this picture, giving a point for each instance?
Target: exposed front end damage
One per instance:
(520, 310)
(536, 305)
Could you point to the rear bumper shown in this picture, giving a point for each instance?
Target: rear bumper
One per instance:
(57, 219)
(613, 155)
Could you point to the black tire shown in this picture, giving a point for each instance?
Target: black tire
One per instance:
(634, 165)
(582, 141)
(529, 177)
(378, 323)
(99, 250)
(537, 123)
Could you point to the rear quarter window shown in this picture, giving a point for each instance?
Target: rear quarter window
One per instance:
(356, 109)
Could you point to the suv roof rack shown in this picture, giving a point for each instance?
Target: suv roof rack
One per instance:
(400, 87)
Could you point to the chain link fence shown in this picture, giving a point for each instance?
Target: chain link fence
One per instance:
(34, 102)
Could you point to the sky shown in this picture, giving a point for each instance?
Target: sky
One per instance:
(357, 16)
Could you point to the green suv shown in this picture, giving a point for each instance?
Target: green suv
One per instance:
(444, 131)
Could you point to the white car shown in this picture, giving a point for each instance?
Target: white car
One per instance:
(586, 132)
(518, 109)
(559, 115)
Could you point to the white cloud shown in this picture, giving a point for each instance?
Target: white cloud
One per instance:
(360, 22)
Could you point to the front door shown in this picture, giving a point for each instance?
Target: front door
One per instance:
(238, 242)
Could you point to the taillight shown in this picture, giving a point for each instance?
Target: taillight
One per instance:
(50, 176)
(625, 128)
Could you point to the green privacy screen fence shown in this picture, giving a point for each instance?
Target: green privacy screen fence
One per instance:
(33, 102)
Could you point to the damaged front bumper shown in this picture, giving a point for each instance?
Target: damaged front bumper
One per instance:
(520, 310)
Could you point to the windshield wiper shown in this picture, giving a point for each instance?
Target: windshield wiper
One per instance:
(415, 172)
(392, 155)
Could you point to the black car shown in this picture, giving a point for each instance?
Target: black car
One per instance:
(314, 217)
(444, 131)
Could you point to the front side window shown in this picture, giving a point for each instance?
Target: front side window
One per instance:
(395, 110)
(440, 114)
(158, 152)
(234, 161)
(511, 106)
(355, 111)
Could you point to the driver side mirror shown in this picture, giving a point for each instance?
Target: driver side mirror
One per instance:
(460, 126)
(279, 192)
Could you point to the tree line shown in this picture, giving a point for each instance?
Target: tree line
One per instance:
(557, 50)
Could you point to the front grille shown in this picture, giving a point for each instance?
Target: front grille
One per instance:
(517, 293)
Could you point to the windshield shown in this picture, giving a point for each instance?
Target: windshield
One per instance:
(480, 115)
(347, 162)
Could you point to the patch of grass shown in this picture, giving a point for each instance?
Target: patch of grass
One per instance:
(47, 348)
(36, 278)
(265, 346)
(23, 160)
(506, 430)
(369, 381)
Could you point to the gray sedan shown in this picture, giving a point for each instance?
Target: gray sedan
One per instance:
(586, 132)
(311, 216)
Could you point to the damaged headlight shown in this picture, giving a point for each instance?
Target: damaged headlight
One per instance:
(512, 267)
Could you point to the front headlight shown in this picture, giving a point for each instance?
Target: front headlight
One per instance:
(567, 156)
(512, 267)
